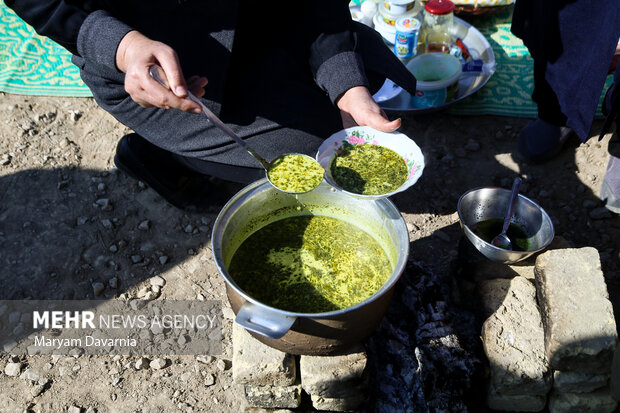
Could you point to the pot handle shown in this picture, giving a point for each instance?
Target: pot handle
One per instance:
(262, 321)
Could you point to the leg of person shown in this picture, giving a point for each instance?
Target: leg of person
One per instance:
(568, 71)
(543, 138)
(610, 188)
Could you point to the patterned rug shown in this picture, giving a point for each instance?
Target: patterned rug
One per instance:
(34, 65)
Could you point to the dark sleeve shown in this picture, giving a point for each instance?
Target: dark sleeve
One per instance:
(334, 60)
(76, 25)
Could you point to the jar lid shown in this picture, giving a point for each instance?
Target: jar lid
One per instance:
(439, 6)
(407, 24)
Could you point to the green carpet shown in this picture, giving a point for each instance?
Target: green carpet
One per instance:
(508, 92)
(35, 65)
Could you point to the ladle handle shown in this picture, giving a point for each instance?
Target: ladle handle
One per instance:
(264, 322)
(511, 206)
(156, 74)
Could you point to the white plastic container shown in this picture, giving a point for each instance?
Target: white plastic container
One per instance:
(385, 23)
(398, 7)
(437, 76)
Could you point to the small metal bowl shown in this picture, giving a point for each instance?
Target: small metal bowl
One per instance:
(480, 204)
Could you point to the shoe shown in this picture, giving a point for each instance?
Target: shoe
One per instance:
(540, 141)
(156, 167)
(610, 190)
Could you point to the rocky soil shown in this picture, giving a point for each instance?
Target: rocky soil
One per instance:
(74, 227)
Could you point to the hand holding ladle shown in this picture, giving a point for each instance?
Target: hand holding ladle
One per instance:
(308, 166)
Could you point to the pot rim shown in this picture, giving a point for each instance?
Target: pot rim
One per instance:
(217, 253)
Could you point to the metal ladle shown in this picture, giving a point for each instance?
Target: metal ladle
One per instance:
(157, 74)
(502, 240)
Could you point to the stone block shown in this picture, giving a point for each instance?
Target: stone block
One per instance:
(273, 397)
(334, 377)
(488, 270)
(513, 338)
(515, 403)
(615, 376)
(580, 329)
(578, 382)
(257, 364)
(261, 410)
(347, 404)
(599, 401)
(479, 268)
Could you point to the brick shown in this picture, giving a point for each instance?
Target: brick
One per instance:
(615, 375)
(578, 382)
(257, 364)
(599, 401)
(513, 338)
(479, 268)
(580, 329)
(515, 403)
(334, 377)
(347, 404)
(273, 397)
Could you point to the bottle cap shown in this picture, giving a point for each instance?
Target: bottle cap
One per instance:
(439, 6)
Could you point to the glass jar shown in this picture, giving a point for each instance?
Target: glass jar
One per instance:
(437, 26)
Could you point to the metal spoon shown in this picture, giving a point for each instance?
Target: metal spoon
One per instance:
(502, 240)
(157, 74)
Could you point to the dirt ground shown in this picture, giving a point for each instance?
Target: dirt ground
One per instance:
(69, 220)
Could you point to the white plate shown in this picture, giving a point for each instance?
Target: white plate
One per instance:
(359, 135)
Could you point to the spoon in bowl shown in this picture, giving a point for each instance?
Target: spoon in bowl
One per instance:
(293, 173)
(502, 240)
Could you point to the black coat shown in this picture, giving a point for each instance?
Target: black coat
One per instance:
(203, 32)
(275, 68)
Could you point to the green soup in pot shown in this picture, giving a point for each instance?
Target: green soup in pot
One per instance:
(310, 264)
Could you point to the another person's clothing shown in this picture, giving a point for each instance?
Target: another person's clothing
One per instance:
(572, 44)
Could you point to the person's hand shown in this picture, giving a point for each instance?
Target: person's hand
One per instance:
(135, 54)
(357, 107)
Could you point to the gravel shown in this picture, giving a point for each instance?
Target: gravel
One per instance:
(13, 369)
(158, 364)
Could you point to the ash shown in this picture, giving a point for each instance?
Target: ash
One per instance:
(425, 355)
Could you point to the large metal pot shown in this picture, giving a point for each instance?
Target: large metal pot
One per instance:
(259, 204)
